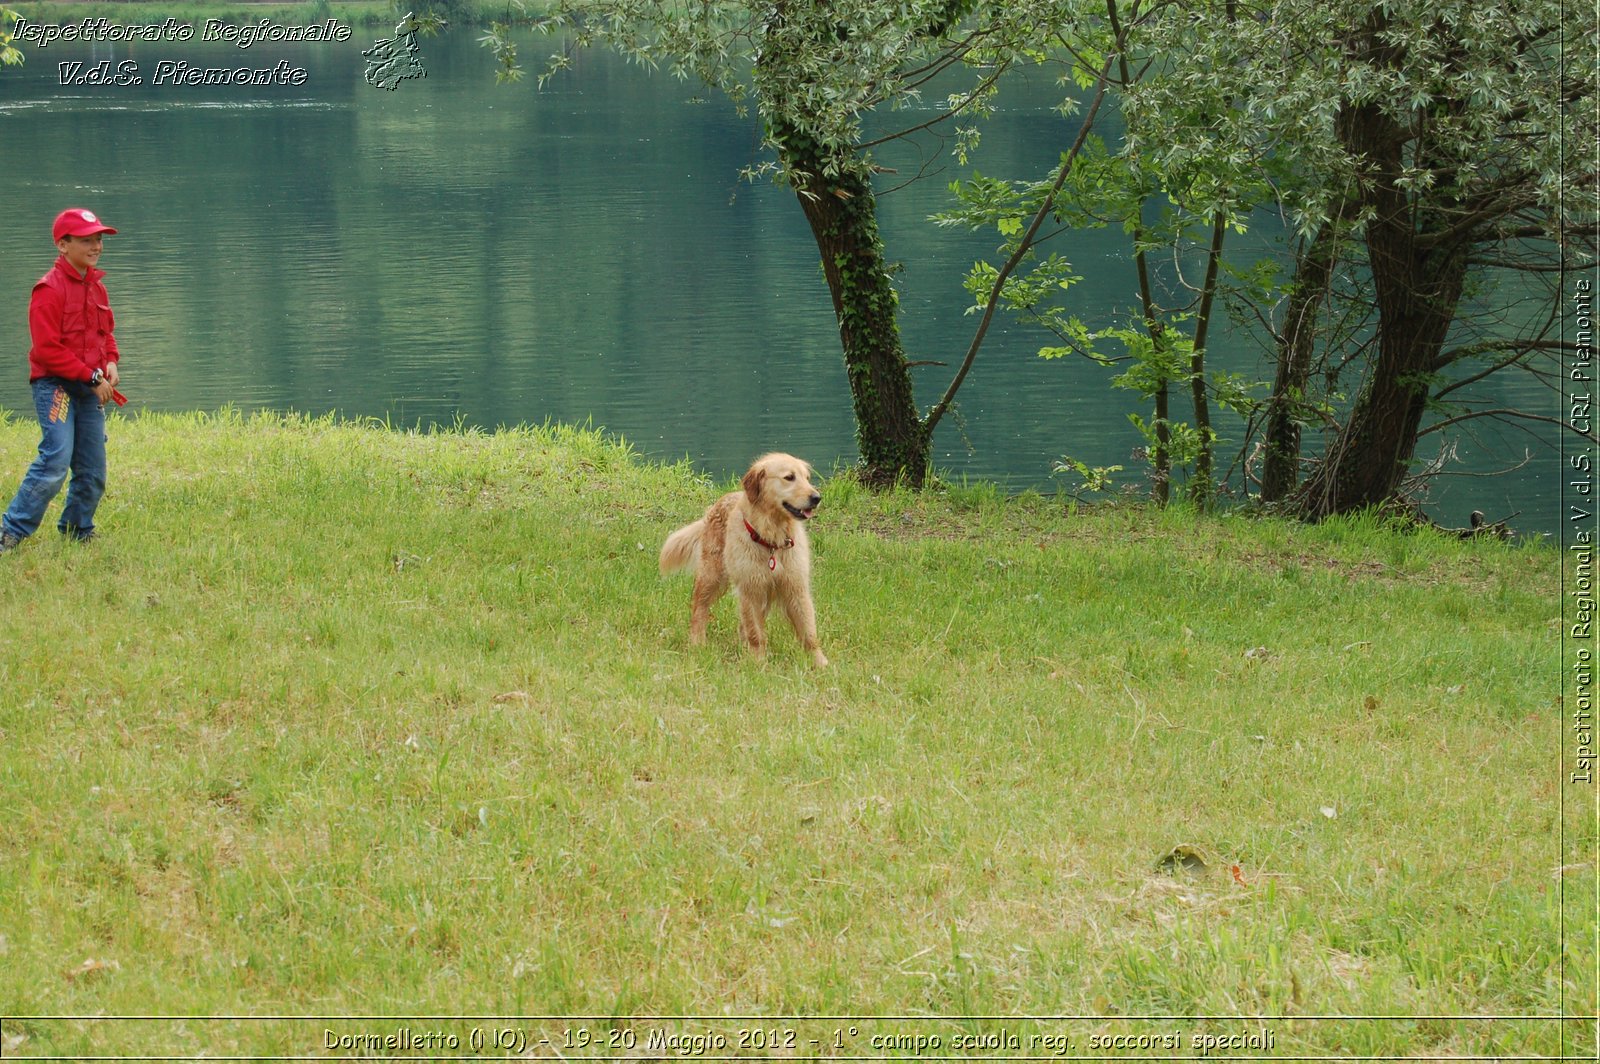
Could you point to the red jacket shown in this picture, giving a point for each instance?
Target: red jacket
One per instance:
(70, 319)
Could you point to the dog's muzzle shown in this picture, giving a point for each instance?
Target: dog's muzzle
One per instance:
(805, 514)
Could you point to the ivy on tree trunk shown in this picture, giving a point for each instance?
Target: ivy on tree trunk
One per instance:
(842, 213)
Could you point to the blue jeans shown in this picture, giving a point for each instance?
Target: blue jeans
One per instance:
(72, 427)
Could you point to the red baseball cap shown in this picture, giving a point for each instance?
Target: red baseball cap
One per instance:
(75, 221)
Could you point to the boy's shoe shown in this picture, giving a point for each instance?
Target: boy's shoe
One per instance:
(77, 536)
(8, 541)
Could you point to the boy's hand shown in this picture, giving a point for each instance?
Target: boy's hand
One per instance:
(111, 373)
(104, 390)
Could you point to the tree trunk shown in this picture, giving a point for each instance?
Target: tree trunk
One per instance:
(1161, 458)
(1161, 461)
(1200, 490)
(1418, 286)
(842, 212)
(1280, 470)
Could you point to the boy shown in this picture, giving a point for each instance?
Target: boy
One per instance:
(72, 368)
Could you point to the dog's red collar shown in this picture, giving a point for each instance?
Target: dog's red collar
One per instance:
(748, 527)
(772, 562)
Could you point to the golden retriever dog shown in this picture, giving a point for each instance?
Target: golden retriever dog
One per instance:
(754, 540)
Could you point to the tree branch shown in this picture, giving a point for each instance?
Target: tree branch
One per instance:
(975, 94)
(1023, 247)
(1520, 347)
(1508, 412)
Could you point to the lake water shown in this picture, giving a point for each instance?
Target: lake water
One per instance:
(454, 250)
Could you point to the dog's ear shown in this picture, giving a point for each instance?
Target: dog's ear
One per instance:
(752, 481)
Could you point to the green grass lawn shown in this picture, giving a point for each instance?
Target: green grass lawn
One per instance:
(339, 721)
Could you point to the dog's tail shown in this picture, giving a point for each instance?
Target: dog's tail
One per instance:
(682, 547)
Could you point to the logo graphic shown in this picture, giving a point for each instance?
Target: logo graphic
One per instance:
(393, 60)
